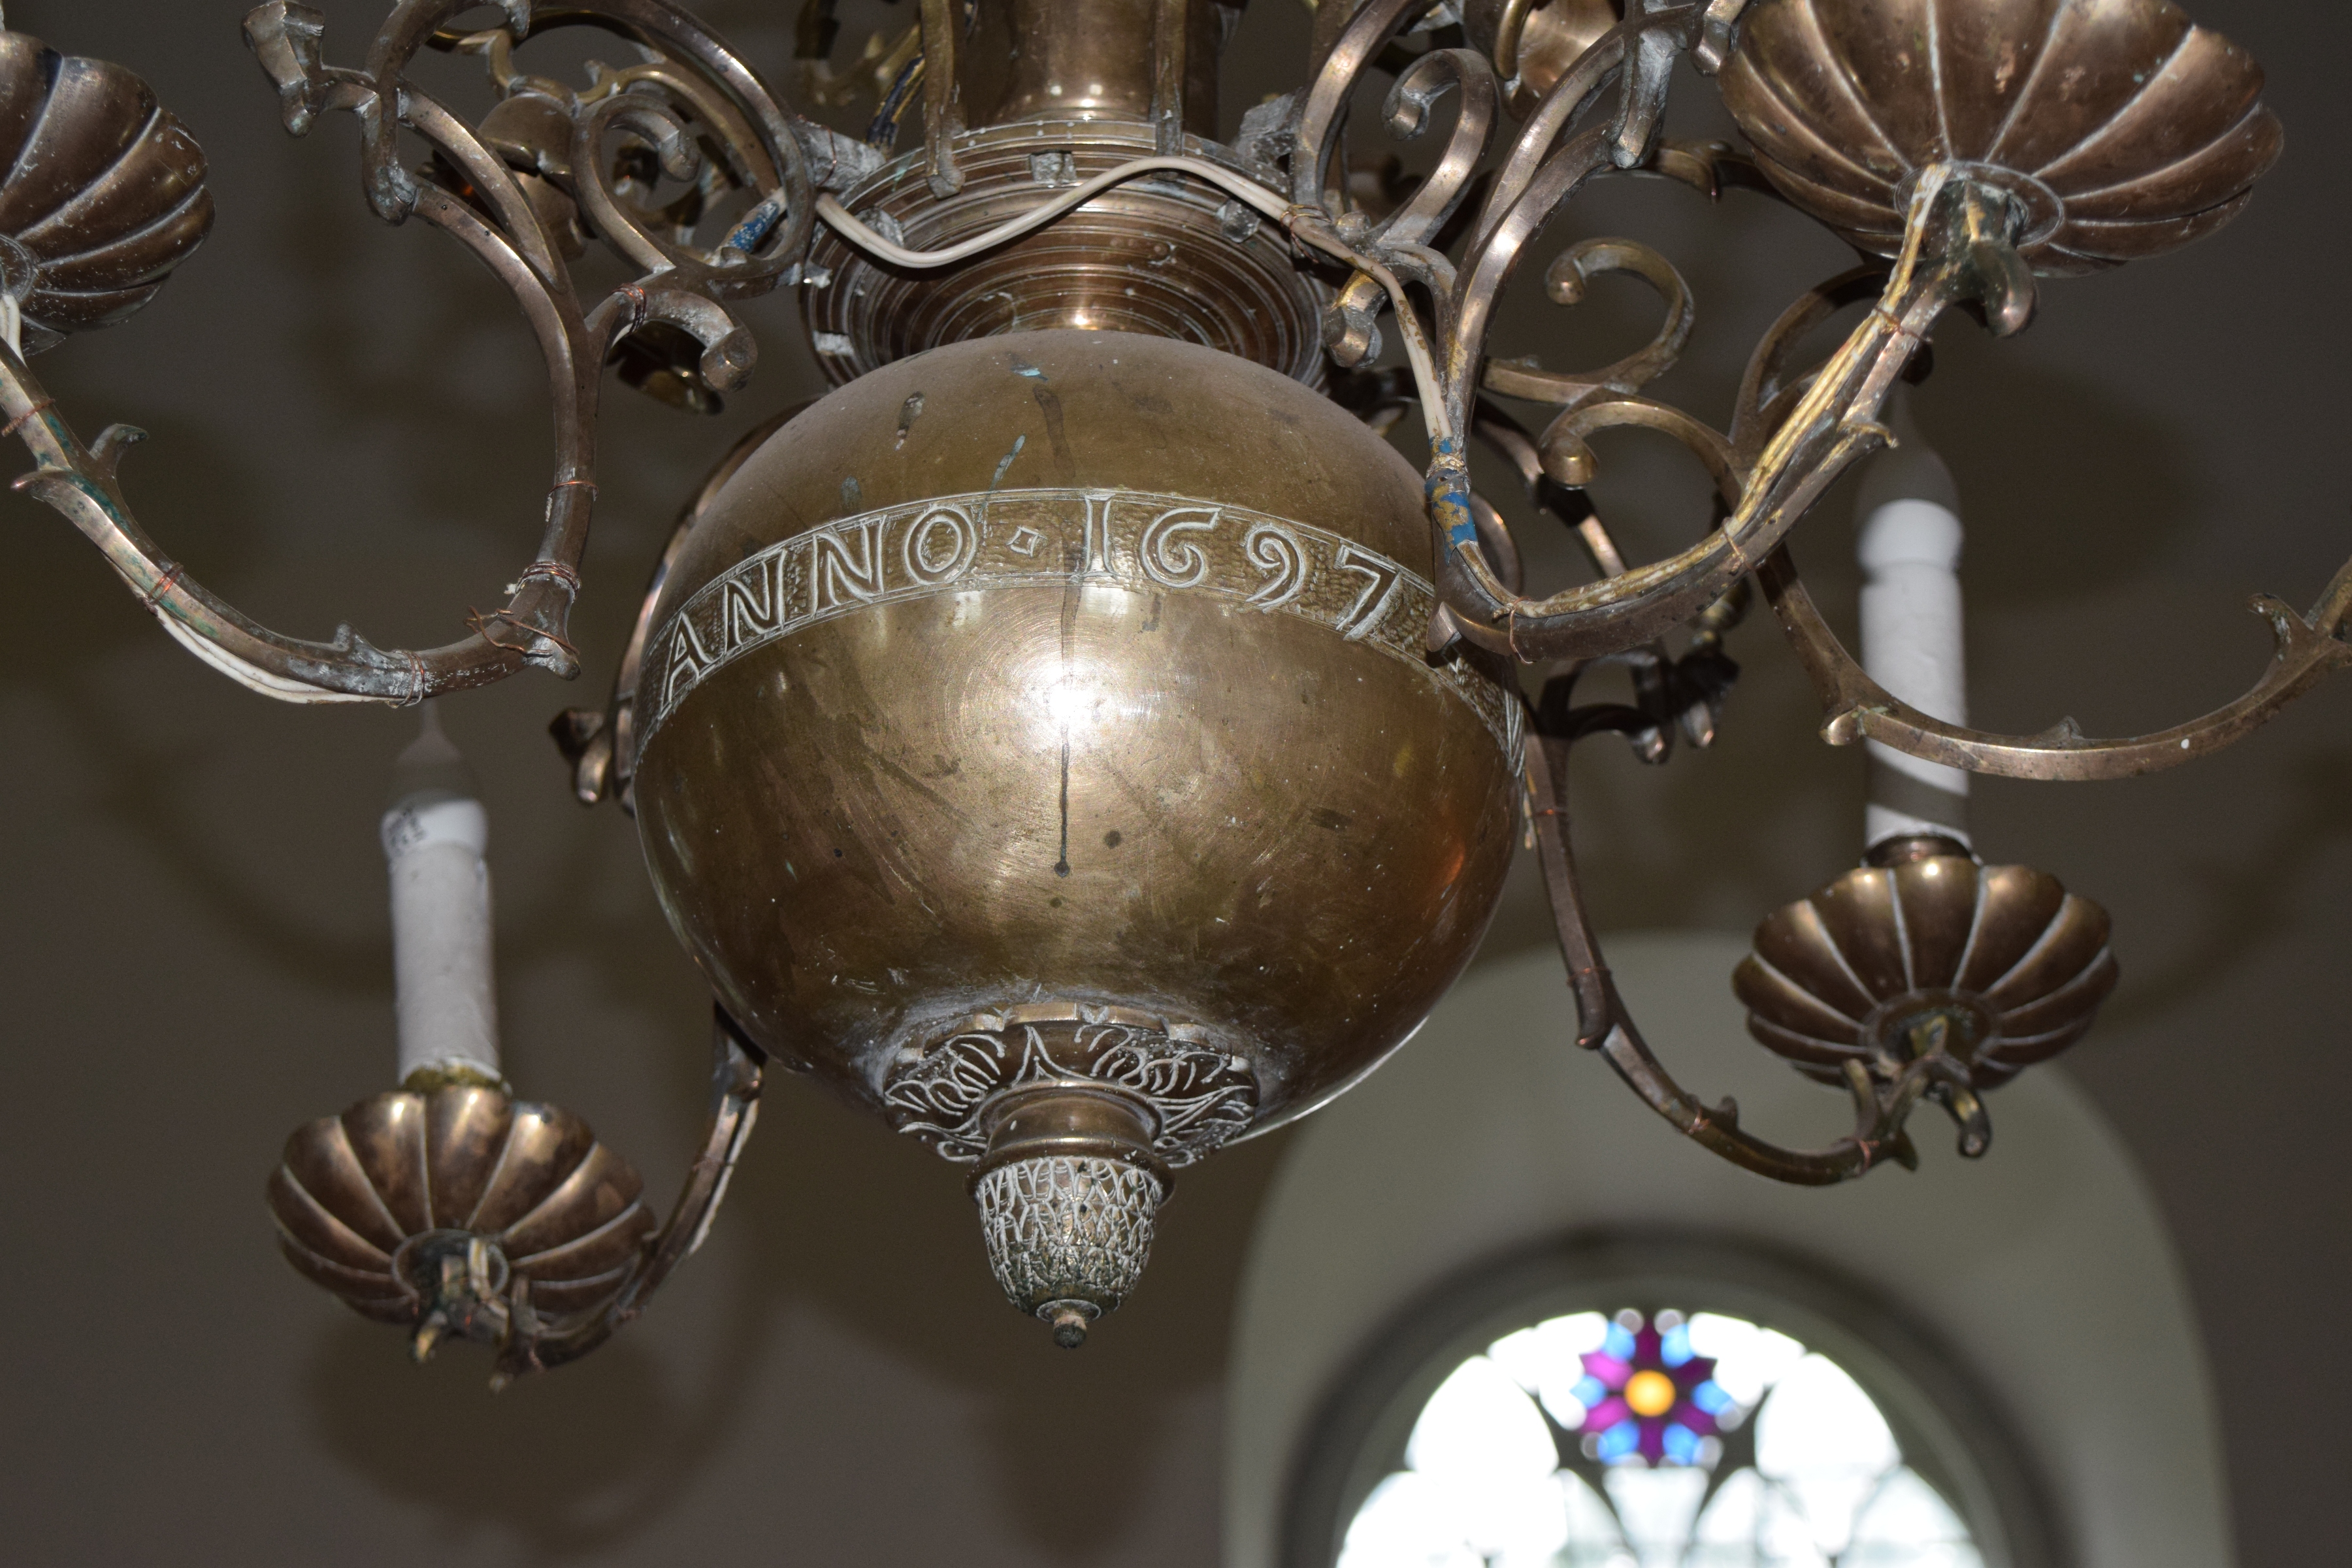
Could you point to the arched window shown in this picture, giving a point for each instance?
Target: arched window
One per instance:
(1654, 1440)
(1645, 1401)
(2018, 1323)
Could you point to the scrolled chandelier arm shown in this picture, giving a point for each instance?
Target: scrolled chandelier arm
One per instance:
(1783, 451)
(1789, 438)
(518, 232)
(1883, 1098)
(1951, 253)
(2306, 649)
(1085, 393)
(738, 1070)
(535, 1342)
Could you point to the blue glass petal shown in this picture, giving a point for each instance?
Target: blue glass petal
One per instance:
(1674, 1346)
(1682, 1444)
(1620, 1342)
(1711, 1397)
(1618, 1441)
(1588, 1391)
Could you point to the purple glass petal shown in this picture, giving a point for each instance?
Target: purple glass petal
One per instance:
(1607, 1368)
(1653, 1440)
(1606, 1414)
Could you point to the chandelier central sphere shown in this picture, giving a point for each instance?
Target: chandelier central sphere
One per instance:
(1081, 738)
(1181, 830)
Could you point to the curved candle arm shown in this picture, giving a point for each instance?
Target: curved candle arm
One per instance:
(1882, 1102)
(1956, 249)
(82, 484)
(1857, 707)
(512, 227)
(1791, 434)
(534, 1343)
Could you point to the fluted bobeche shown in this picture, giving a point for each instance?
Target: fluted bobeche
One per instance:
(104, 193)
(425, 1210)
(2120, 127)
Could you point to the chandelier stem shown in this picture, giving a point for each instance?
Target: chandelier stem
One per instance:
(1151, 61)
(1308, 226)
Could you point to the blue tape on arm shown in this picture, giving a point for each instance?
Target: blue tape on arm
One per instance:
(1448, 489)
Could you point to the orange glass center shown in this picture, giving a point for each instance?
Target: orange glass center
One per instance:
(1650, 1392)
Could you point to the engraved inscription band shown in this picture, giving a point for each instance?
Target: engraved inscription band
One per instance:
(1151, 544)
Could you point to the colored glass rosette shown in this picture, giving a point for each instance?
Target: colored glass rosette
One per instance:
(1647, 1395)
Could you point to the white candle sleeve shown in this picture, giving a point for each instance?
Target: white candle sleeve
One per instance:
(1913, 644)
(441, 937)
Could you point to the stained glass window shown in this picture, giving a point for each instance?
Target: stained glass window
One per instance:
(1653, 1440)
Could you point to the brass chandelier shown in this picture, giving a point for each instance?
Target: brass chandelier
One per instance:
(1080, 737)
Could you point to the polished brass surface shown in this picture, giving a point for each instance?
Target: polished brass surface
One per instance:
(1533, 43)
(1105, 687)
(1072, 59)
(2119, 128)
(602, 746)
(1070, 1121)
(1169, 256)
(104, 192)
(372, 1203)
(1991, 968)
(524, 193)
(1840, 974)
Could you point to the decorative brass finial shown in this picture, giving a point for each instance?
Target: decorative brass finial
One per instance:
(1069, 1193)
(1074, 1118)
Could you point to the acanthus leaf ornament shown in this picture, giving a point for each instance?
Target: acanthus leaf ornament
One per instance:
(1199, 1095)
(1075, 1118)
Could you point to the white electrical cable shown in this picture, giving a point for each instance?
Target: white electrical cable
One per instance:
(1240, 187)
